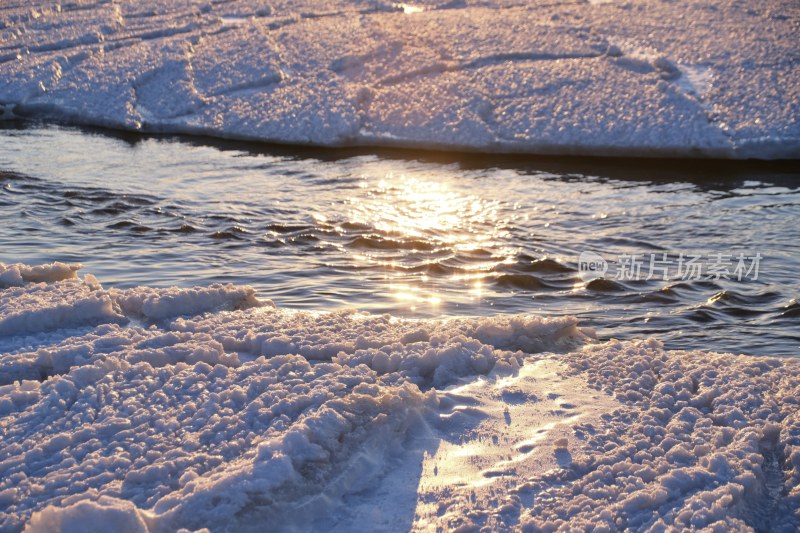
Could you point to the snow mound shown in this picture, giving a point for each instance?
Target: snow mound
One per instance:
(18, 274)
(105, 514)
(322, 336)
(36, 299)
(699, 78)
(158, 304)
(40, 307)
(435, 365)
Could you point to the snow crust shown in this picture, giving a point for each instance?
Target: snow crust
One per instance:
(16, 275)
(106, 513)
(690, 78)
(157, 304)
(204, 408)
(35, 303)
(43, 307)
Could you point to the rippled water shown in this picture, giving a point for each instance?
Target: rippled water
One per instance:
(411, 234)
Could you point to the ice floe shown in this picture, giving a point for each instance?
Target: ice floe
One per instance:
(695, 78)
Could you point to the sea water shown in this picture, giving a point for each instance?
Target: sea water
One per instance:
(700, 254)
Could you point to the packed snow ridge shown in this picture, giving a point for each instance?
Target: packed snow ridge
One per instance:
(159, 409)
(689, 78)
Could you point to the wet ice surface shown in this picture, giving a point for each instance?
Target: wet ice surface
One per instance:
(228, 413)
(412, 236)
(691, 78)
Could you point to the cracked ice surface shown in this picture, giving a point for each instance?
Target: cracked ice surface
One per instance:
(714, 78)
(157, 409)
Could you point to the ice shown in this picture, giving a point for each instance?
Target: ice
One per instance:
(50, 297)
(44, 307)
(105, 514)
(202, 408)
(156, 304)
(18, 274)
(696, 78)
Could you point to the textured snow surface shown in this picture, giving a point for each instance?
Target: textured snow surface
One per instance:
(672, 78)
(158, 409)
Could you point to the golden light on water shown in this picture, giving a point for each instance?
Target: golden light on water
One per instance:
(414, 295)
(409, 9)
(441, 225)
(418, 208)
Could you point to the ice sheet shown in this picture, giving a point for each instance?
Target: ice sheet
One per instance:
(690, 78)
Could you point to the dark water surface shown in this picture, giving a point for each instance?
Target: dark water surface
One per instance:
(419, 235)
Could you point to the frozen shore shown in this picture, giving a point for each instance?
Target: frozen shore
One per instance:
(157, 409)
(710, 78)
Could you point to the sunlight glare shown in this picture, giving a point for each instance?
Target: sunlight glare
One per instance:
(446, 229)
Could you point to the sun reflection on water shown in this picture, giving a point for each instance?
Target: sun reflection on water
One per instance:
(443, 233)
(409, 9)
(413, 207)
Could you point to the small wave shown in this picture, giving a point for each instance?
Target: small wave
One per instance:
(701, 315)
(13, 176)
(273, 243)
(707, 284)
(90, 195)
(185, 228)
(287, 228)
(526, 263)
(130, 226)
(379, 243)
(123, 224)
(739, 305)
(138, 201)
(434, 269)
(303, 238)
(636, 243)
(222, 218)
(108, 211)
(355, 226)
(732, 297)
(675, 288)
(229, 234)
(791, 311)
(662, 296)
(521, 281)
(605, 285)
(727, 297)
(429, 268)
(743, 312)
(478, 254)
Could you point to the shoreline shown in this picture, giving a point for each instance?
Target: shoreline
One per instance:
(224, 418)
(778, 155)
(614, 166)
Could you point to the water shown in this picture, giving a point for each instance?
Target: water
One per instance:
(413, 234)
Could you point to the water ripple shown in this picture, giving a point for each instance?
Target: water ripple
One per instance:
(407, 236)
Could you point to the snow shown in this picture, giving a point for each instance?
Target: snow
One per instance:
(18, 274)
(652, 78)
(109, 514)
(159, 304)
(43, 307)
(209, 408)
